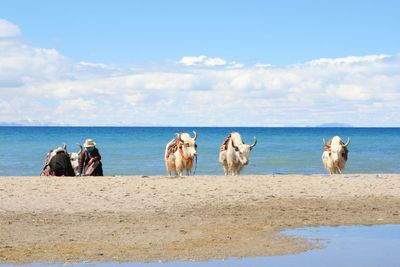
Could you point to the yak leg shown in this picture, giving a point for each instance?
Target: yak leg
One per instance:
(186, 167)
(179, 168)
(230, 168)
(234, 171)
(226, 169)
(225, 166)
(178, 171)
(168, 167)
(240, 169)
(237, 169)
(223, 162)
(189, 166)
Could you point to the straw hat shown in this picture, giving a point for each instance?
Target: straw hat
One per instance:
(89, 143)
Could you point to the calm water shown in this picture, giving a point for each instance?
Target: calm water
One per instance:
(345, 246)
(140, 150)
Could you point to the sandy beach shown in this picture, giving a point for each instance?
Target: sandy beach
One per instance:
(141, 218)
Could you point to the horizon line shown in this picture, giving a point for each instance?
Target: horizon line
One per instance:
(196, 126)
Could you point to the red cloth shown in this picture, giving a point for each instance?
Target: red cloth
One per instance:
(224, 145)
(85, 158)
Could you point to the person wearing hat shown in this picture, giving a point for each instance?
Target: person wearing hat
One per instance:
(60, 163)
(90, 162)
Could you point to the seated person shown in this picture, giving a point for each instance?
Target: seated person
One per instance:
(90, 162)
(60, 164)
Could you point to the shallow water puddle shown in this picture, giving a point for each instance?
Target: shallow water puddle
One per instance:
(343, 246)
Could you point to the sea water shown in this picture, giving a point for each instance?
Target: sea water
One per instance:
(140, 150)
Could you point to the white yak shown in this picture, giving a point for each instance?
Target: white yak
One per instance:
(335, 155)
(180, 153)
(234, 154)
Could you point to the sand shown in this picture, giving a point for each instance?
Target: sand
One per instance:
(141, 218)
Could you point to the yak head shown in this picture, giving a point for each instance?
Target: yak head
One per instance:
(337, 149)
(243, 150)
(187, 144)
(75, 158)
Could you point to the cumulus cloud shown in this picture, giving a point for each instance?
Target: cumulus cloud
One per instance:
(262, 65)
(235, 65)
(8, 29)
(349, 60)
(41, 85)
(21, 63)
(202, 61)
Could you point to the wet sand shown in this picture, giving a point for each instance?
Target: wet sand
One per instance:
(140, 218)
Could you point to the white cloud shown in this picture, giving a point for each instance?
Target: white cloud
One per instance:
(20, 63)
(353, 92)
(202, 61)
(77, 107)
(262, 65)
(235, 65)
(41, 85)
(93, 65)
(8, 29)
(349, 60)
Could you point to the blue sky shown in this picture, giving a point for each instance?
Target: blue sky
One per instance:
(275, 32)
(212, 63)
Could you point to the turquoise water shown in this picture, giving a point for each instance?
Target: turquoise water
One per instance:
(345, 246)
(140, 150)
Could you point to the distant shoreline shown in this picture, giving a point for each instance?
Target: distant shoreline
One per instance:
(147, 218)
(239, 127)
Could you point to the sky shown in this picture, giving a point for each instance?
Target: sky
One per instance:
(200, 63)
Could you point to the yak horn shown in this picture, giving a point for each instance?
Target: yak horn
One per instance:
(325, 143)
(80, 148)
(178, 135)
(195, 135)
(65, 146)
(347, 143)
(235, 147)
(254, 143)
